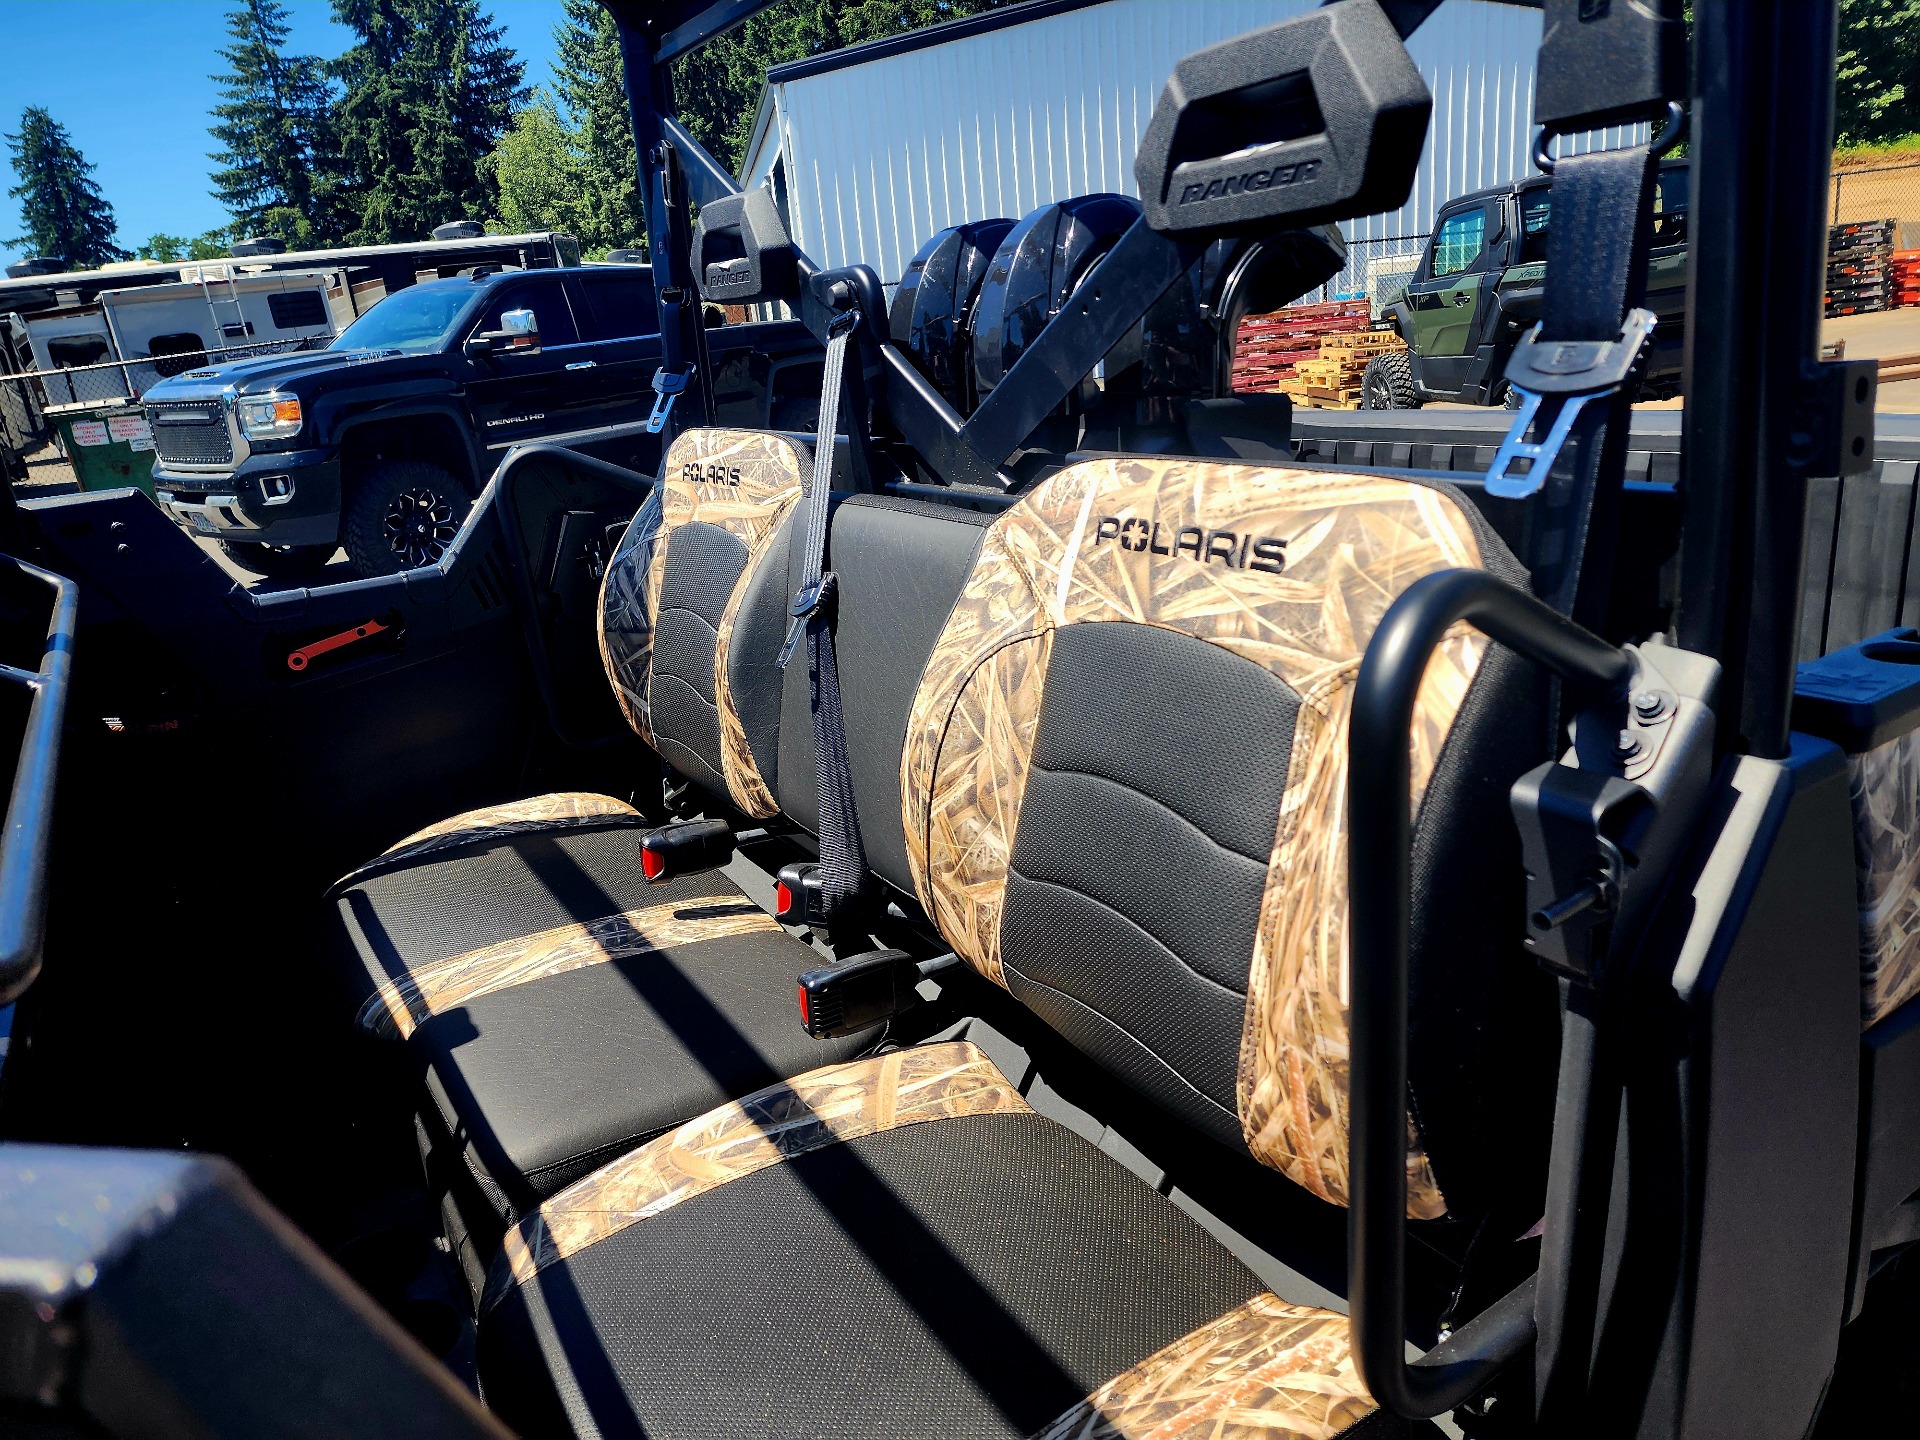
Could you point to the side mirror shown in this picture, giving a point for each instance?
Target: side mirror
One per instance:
(519, 334)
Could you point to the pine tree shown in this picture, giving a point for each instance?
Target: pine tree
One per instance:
(66, 215)
(273, 126)
(428, 90)
(591, 79)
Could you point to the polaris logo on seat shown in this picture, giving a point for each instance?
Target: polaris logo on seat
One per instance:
(1266, 553)
(1297, 173)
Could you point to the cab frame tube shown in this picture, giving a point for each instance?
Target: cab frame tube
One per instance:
(1379, 863)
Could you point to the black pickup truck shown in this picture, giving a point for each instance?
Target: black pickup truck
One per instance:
(380, 442)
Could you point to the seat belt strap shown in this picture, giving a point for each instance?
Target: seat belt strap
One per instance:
(843, 864)
(1577, 374)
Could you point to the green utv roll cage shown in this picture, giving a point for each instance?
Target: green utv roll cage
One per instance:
(1708, 848)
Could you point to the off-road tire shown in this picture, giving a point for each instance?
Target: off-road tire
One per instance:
(1387, 383)
(278, 562)
(400, 515)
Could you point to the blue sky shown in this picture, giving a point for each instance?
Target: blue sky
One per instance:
(128, 78)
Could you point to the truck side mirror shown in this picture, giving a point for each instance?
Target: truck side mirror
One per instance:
(519, 334)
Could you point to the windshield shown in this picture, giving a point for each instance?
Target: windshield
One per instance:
(414, 320)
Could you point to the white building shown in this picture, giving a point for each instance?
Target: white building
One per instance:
(874, 148)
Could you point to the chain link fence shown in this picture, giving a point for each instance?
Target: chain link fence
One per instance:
(1376, 271)
(1879, 192)
(108, 381)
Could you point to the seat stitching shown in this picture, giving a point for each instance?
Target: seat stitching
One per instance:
(1262, 861)
(1129, 921)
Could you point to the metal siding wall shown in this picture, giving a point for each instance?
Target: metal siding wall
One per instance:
(883, 154)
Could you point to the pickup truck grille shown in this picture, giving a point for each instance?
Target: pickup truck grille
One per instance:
(186, 433)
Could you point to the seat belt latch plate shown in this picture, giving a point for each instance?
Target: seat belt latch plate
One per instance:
(1560, 378)
(808, 600)
(667, 387)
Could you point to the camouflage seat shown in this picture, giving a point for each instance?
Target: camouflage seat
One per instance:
(564, 1009)
(1120, 781)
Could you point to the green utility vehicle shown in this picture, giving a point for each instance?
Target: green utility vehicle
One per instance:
(1478, 289)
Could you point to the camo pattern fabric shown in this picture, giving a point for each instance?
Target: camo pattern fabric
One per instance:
(401, 1005)
(564, 811)
(1265, 1370)
(1885, 785)
(743, 481)
(738, 768)
(807, 1113)
(1291, 569)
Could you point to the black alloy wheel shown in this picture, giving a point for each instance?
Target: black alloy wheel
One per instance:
(402, 515)
(419, 525)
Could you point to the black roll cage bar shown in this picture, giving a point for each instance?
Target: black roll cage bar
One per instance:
(1762, 129)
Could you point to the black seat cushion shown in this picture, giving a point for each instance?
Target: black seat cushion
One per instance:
(538, 1082)
(542, 1082)
(972, 1277)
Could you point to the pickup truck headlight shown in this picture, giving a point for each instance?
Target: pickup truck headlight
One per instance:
(273, 418)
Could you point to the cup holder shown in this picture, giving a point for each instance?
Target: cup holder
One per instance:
(1904, 651)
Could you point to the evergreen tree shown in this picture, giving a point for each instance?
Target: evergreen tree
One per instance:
(429, 88)
(273, 126)
(591, 79)
(66, 215)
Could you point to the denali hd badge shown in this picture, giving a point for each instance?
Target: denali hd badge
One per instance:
(1231, 548)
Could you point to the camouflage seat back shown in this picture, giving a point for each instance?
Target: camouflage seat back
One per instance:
(1124, 788)
(691, 617)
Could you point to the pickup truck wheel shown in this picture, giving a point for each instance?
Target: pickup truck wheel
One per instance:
(1387, 383)
(402, 515)
(278, 562)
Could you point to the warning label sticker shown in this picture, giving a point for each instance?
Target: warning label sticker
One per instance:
(89, 432)
(132, 428)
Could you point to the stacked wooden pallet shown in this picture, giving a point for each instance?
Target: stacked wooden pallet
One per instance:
(1859, 267)
(1906, 278)
(1331, 381)
(1269, 346)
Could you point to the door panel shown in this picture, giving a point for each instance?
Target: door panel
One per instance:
(516, 396)
(1445, 295)
(617, 314)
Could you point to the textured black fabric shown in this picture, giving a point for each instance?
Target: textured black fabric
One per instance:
(753, 679)
(538, 1083)
(900, 566)
(451, 902)
(543, 1081)
(970, 1278)
(1483, 1028)
(1133, 894)
(703, 564)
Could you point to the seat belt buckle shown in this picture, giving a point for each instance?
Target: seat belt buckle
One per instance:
(685, 847)
(799, 894)
(808, 601)
(858, 993)
(1559, 378)
(667, 387)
